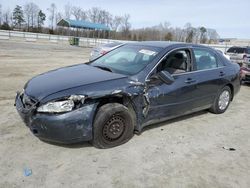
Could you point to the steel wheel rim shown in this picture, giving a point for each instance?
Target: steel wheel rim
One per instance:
(114, 128)
(224, 100)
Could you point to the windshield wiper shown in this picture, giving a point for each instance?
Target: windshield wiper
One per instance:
(104, 68)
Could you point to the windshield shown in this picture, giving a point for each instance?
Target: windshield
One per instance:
(128, 59)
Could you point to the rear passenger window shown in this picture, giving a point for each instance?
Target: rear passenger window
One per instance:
(205, 59)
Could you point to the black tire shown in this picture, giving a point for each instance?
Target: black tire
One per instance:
(216, 109)
(113, 126)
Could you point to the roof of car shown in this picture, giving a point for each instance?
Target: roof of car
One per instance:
(240, 47)
(165, 44)
(112, 44)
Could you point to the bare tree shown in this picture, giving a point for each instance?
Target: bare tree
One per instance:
(52, 11)
(76, 12)
(115, 23)
(188, 33)
(197, 35)
(34, 14)
(166, 25)
(98, 15)
(31, 11)
(6, 20)
(0, 14)
(212, 35)
(103, 17)
(84, 15)
(108, 18)
(93, 14)
(121, 26)
(27, 13)
(59, 17)
(67, 11)
(7, 17)
(125, 25)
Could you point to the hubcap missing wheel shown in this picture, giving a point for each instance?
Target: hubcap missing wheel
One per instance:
(114, 128)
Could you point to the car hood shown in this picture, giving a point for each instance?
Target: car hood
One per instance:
(66, 78)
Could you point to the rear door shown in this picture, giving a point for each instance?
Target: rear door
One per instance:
(210, 75)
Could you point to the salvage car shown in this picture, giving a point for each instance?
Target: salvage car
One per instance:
(240, 55)
(136, 85)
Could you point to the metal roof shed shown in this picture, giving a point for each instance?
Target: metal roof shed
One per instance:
(82, 25)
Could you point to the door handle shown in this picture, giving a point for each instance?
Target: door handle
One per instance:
(190, 80)
(222, 73)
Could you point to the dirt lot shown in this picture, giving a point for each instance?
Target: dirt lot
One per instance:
(185, 152)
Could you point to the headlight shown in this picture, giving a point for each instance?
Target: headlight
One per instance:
(57, 107)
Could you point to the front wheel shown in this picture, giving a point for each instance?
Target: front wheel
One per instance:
(222, 101)
(113, 126)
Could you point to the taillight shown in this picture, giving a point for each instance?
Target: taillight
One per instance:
(103, 52)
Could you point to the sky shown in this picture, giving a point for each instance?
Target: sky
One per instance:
(230, 18)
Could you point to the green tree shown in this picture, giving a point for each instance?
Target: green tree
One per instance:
(190, 36)
(40, 19)
(5, 26)
(18, 17)
(203, 36)
(134, 37)
(168, 36)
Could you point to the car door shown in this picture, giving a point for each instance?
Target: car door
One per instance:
(170, 100)
(209, 72)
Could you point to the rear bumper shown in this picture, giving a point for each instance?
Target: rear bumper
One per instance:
(70, 127)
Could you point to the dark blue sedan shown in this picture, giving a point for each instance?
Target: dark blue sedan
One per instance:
(107, 100)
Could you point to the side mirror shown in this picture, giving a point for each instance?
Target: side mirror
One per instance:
(166, 77)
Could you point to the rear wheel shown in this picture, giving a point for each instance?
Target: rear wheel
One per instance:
(222, 101)
(113, 126)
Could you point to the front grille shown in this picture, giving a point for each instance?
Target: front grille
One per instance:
(28, 102)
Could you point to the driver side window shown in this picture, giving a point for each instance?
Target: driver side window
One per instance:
(176, 62)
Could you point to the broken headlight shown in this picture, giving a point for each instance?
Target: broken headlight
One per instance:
(62, 106)
(57, 107)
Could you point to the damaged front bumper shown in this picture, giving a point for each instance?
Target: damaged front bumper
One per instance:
(71, 127)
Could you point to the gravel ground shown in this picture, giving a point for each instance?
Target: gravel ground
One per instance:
(184, 152)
